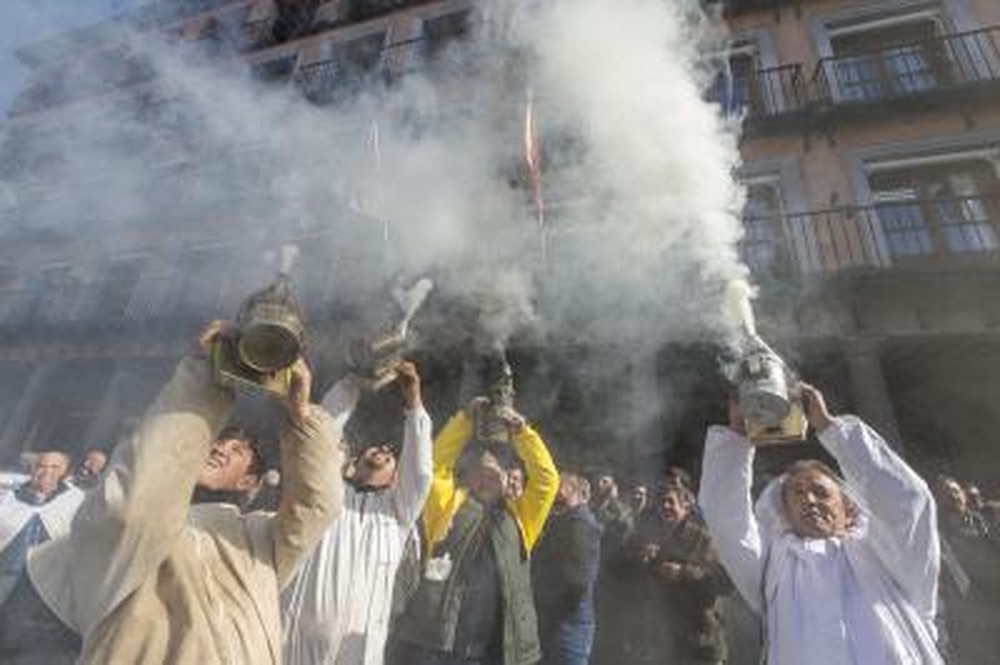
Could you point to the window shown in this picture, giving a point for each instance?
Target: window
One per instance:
(900, 59)
(441, 31)
(939, 208)
(763, 242)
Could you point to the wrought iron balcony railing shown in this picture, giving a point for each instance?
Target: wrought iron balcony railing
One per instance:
(914, 232)
(765, 96)
(321, 81)
(963, 62)
(361, 10)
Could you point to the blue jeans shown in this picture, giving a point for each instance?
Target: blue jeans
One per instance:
(569, 643)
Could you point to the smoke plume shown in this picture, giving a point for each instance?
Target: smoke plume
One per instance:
(427, 175)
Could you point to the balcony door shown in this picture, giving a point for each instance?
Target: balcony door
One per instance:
(940, 209)
(877, 63)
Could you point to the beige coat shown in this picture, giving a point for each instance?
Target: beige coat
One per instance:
(145, 577)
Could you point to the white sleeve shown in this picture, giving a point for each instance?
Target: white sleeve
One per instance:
(340, 402)
(902, 516)
(415, 466)
(724, 498)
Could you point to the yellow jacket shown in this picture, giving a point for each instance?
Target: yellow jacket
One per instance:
(530, 510)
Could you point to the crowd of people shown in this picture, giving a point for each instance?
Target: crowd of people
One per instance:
(455, 549)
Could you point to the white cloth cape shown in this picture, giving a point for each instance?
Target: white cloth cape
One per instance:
(867, 598)
(56, 515)
(336, 610)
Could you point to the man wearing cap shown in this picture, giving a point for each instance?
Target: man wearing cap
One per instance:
(337, 609)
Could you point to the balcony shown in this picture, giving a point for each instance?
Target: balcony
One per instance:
(321, 82)
(735, 7)
(964, 65)
(928, 233)
(362, 10)
(767, 99)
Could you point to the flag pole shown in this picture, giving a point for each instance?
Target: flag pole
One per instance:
(533, 161)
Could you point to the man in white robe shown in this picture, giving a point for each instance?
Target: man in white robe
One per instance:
(842, 574)
(34, 509)
(337, 610)
(39, 508)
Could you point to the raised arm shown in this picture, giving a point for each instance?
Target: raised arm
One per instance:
(311, 495)
(902, 527)
(127, 524)
(726, 479)
(448, 447)
(533, 506)
(340, 402)
(416, 458)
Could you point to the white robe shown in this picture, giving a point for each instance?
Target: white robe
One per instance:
(336, 611)
(56, 515)
(867, 598)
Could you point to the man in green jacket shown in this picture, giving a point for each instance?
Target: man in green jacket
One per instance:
(474, 605)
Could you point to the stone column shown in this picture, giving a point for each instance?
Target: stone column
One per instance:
(870, 390)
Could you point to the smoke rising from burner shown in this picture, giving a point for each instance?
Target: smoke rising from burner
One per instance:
(426, 176)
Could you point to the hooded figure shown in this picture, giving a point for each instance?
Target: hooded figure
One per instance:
(841, 574)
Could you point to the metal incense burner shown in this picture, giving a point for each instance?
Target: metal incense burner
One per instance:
(771, 407)
(270, 337)
(376, 358)
(490, 421)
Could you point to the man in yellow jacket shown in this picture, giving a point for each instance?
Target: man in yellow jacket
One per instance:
(474, 603)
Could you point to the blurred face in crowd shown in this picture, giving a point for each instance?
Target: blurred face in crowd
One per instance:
(49, 469)
(640, 498)
(975, 497)
(229, 467)
(606, 486)
(675, 507)
(515, 483)
(571, 491)
(94, 462)
(488, 479)
(815, 506)
(375, 467)
(953, 495)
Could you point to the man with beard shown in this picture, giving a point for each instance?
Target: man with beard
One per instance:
(564, 574)
(843, 573)
(146, 577)
(474, 605)
(337, 609)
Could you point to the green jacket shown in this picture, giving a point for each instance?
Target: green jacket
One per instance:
(431, 619)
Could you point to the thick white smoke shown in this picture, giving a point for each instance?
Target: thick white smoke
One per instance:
(427, 176)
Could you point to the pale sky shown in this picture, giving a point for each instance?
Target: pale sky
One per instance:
(26, 21)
